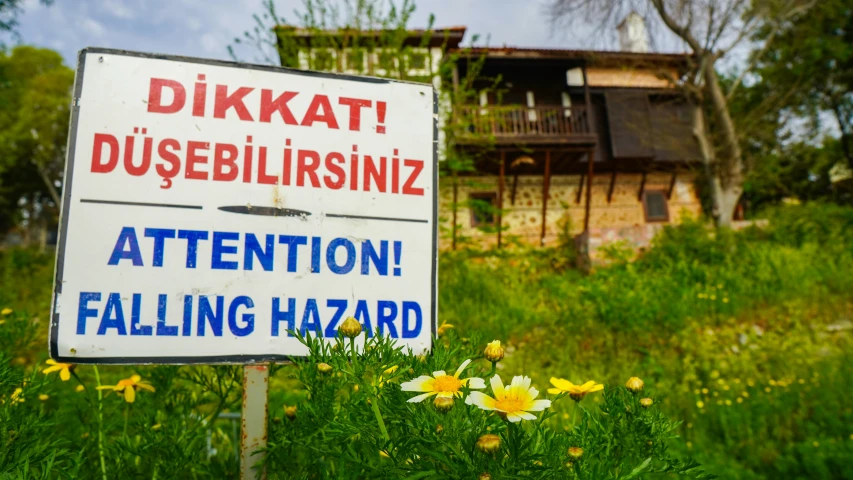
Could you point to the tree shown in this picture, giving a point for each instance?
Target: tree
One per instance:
(9, 11)
(813, 59)
(35, 91)
(710, 29)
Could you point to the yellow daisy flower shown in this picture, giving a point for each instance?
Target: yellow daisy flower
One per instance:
(63, 368)
(129, 386)
(514, 402)
(5, 311)
(441, 384)
(576, 392)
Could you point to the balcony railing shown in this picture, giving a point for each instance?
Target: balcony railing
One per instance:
(508, 121)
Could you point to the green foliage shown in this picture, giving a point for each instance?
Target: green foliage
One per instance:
(759, 381)
(355, 422)
(35, 91)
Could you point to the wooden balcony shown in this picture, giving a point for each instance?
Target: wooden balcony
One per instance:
(519, 124)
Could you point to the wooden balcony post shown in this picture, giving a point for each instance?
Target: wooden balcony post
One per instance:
(501, 196)
(590, 158)
(546, 183)
(587, 98)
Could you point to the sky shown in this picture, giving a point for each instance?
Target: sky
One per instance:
(205, 28)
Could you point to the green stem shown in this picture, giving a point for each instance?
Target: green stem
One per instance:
(352, 349)
(374, 404)
(574, 414)
(100, 424)
(126, 409)
(494, 369)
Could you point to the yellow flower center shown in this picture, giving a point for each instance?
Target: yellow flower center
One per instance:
(447, 383)
(126, 383)
(509, 404)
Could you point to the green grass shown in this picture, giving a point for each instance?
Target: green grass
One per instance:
(745, 335)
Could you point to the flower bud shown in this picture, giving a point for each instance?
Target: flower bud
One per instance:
(634, 385)
(489, 443)
(439, 428)
(494, 352)
(575, 453)
(290, 411)
(351, 328)
(443, 404)
(484, 476)
(324, 368)
(646, 402)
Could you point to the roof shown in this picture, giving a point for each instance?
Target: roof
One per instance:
(521, 53)
(450, 37)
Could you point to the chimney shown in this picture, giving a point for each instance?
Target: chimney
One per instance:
(632, 34)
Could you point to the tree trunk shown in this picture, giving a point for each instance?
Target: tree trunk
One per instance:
(729, 169)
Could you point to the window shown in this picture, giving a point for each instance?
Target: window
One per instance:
(387, 60)
(654, 204)
(323, 60)
(417, 61)
(355, 60)
(483, 207)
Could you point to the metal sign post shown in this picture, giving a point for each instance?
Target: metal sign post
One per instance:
(254, 421)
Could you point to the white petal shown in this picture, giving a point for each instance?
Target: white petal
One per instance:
(526, 416)
(497, 386)
(420, 384)
(512, 417)
(481, 400)
(533, 392)
(421, 398)
(439, 373)
(539, 405)
(462, 367)
(521, 382)
(475, 382)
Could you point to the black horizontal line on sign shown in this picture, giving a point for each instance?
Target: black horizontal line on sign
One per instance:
(267, 211)
(387, 219)
(140, 204)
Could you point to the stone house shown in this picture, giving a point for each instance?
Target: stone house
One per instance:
(564, 145)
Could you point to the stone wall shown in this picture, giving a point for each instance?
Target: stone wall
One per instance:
(622, 218)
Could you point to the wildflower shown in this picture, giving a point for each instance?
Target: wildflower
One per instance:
(494, 352)
(156, 427)
(390, 370)
(725, 300)
(17, 396)
(700, 404)
(324, 368)
(6, 311)
(129, 386)
(355, 388)
(739, 400)
(441, 384)
(443, 404)
(513, 403)
(744, 394)
(63, 368)
(439, 428)
(43, 397)
(79, 388)
(443, 328)
(489, 443)
(705, 391)
(728, 402)
(484, 476)
(634, 385)
(351, 328)
(646, 402)
(576, 392)
(575, 452)
(290, 411)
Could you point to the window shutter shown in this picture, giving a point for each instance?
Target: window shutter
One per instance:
(630, 127)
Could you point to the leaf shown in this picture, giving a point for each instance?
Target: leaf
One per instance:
(640, 469)
(421, 475)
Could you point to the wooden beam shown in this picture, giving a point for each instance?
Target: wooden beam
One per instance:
(642, 187)
(612, 185)
(587, 99)
(546, 184)
(671, 185)
(590, 172)
(580, 188)
(501, 196)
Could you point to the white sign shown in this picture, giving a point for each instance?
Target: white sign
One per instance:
(211, 206)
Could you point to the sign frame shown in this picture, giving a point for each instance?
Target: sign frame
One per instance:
(65, 207)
